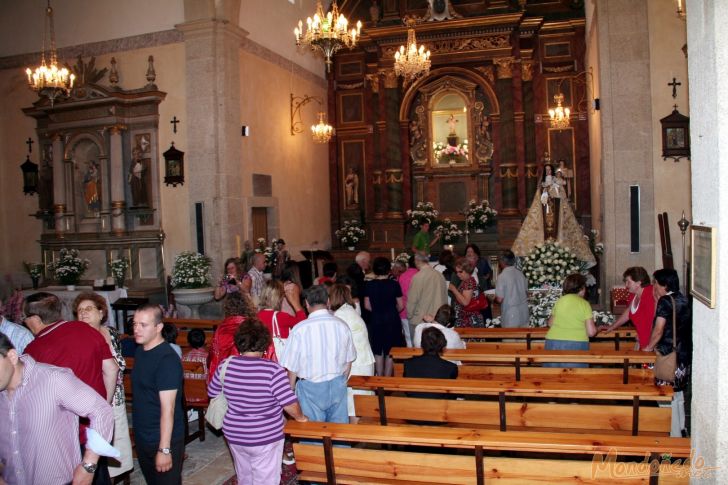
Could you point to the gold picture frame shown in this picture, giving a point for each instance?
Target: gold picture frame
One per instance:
(703, 251)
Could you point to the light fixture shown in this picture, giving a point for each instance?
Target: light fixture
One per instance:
(321, 132)
(327, 33)
(411, 62)
(30, 176)
(680, 9)
(559, 115)
(48, 79)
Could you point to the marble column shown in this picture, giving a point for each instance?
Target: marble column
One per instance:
(59, 186)
(116, 163)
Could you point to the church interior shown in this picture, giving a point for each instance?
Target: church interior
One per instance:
(203, 126)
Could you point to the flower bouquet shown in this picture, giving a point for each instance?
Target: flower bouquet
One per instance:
(596, 247)
(191, 270)
(448, 231)
(480, 215)
(549, 263)
(424, 212)
(35, 271)
(69, 267)
(351, 233)
(602, 318)
(118, 268)
(403, 258)
(540, 305)
(270, 251)
(446, 153)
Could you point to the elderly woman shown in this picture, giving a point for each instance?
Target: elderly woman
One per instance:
(91, 308)
(276, 321)
(257, 391)
(430, 364)
(237, 308)
(341, 303)
(232, 279)
(571, 320)
(462, 295)
(641, 308)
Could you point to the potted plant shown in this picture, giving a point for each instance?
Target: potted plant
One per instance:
(351, 233)
(118, 268)
(191, 281)
(35, 271)
(450, 154)
(448, 231)
(68, 268)
(424, 212)
(480, 215)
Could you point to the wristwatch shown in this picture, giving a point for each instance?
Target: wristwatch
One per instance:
(89, 467)
(165, 451)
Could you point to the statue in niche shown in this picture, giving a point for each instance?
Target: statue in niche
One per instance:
(418, 141)
(45, 181)
(415, 133)
(137, 180)
(452, 123)
(92, 187)
(351, 188)
(483, 141)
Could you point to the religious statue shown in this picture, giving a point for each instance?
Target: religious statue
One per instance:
(92, 187)
(568, 175)
(415, 133)
(137, 176)
(351, 188)
(452, 123)
(550, 219)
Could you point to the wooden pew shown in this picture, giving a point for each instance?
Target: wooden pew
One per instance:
(528, 345)
(520, 358)
(190, 323)
(623, 335)
(589, 458)
(631, 407)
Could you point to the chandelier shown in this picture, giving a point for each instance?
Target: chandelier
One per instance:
(327, 33)
(322, 131)
(559, 115)
(411, 63)
(47, 79)
(680, 9)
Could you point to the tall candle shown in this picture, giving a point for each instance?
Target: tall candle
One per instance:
(237, 245)
(392, 254)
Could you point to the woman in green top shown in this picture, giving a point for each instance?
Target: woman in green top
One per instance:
(571, 320)
(421, 242)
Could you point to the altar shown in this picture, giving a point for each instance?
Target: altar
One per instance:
(67, 298)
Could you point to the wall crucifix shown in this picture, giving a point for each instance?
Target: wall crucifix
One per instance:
(174, 123)
(674, 85)
(30, 145)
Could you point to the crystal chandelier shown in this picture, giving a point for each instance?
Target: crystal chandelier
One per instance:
(411, 62)
(48, 79)
(327, 33)
(559, 115)
(322, 131)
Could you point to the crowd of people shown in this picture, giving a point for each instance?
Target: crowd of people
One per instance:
(278, 351)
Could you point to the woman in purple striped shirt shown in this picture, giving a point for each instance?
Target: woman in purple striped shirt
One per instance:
(257, 391)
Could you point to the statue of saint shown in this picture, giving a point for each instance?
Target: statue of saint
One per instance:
(452, 123)
(92, 187)
(137, 175)
(351, 188)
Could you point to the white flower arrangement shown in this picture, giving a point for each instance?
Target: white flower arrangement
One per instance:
(191, 270)
(69, 267)
(480, 215)
(403, 258)
(602, 318)
(424, 212)
(351, 232)
(270, 251)
(540, 305)
(449, 153)
(34, 270)
(596, 247)
(549, 263)
(448, 231)
(118, 269)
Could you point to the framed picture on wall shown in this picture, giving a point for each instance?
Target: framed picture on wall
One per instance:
(675, 136)
(703, 253)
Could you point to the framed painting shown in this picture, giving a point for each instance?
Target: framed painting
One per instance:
(675, 136)
(703, 254)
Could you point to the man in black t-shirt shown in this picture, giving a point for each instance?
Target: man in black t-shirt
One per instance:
(157, 406)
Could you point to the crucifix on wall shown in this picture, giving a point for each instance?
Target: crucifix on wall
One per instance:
(174, 123)
(674, 85)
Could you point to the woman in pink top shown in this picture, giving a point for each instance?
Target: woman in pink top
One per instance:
(271, 300)
(641, 307)
(404, 272)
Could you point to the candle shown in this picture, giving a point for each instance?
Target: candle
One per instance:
(392, 254)
(237, 245)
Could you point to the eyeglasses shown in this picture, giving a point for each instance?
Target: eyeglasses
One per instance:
(87, 309)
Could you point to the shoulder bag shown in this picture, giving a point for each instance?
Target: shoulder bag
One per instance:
(665, 365)
(279, 343)
(218, 406)
(477, 303)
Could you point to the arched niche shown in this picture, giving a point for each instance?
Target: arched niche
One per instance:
(89, 179)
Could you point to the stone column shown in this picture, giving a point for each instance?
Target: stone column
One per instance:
(393, 156)
(116, 163)
(212, 58)
(508, 167)
(59, 186)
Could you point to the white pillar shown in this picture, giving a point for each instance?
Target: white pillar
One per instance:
(117, 181)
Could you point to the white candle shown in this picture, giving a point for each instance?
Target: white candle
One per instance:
(392, 254)
(237, 245)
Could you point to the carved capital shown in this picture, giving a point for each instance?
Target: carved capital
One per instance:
(59, 208)
(505, 68)
(377, 177)
(373, 80)
(527, 70)
(116, 129)
(393, 176)
(390, 78)
(487, 72)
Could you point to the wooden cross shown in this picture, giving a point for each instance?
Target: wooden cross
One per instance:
(30, 145)
(174, 123)
(674, 85)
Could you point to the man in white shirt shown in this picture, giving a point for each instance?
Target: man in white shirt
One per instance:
(511, 291)
(319, 353)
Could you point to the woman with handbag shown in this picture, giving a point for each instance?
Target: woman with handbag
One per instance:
(671, 340)
(571, 320)
(468, 300)
(257, 392)
(279, 323)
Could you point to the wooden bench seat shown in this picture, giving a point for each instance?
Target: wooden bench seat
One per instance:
(623, 337)
(530, 345)
(630, 408)
(521, 358)
(587, 456)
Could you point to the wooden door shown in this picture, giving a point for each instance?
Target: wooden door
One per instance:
(260, 223)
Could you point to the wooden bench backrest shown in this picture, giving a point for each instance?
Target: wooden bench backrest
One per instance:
(599, 357)
(535, 345)
(534, 333)
(189, 323)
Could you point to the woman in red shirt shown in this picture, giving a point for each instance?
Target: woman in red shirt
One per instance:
(271, 300)
(237, 309)
(641, 307)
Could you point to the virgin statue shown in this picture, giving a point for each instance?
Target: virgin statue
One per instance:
(552, 218)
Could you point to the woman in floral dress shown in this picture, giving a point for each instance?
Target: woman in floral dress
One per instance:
(463, 294)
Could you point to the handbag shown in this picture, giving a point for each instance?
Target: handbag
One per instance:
(665, 365)
(218, 406)
(279, 343)
(478, 303)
